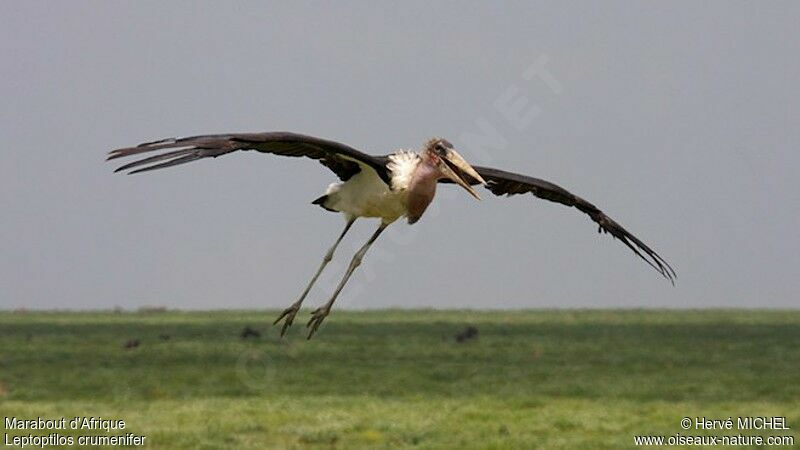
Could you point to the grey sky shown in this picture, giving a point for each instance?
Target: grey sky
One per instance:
(678, 119)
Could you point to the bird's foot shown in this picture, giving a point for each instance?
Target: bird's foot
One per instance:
(317, 316)
(288, 313)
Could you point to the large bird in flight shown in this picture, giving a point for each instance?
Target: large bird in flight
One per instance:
(401, 184)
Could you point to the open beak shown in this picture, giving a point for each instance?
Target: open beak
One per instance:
(452, 164)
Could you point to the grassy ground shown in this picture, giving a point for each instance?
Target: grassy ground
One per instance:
(399, 379)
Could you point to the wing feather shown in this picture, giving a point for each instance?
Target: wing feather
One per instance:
(500, 182)
(336, 156)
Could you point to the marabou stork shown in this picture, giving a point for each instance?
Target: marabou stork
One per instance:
(388, 187)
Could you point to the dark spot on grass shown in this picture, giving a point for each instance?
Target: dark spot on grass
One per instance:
(469, 333)
(248, 333)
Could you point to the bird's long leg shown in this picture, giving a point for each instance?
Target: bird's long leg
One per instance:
(322, 312)
(290, 312)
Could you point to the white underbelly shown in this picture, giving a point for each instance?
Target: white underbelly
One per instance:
(366, 195)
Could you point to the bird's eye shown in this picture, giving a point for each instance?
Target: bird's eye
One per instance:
(440, 149)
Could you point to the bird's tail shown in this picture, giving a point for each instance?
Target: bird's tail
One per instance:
(322, 202)
(186, 150)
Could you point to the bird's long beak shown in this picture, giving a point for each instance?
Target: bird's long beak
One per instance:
(452, 164)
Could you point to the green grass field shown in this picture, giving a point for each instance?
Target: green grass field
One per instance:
(398, 379)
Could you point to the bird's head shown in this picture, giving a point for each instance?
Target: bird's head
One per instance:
(440, 153)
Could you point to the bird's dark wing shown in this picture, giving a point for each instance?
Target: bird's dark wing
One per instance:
(341, 159)
(506, 183)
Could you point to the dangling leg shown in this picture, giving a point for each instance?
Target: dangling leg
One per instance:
(322, 312)
(292, 310)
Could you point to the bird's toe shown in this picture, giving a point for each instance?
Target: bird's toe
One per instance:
(288, 314)
(317, 317)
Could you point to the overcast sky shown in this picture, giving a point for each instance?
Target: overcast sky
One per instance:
(681, 120)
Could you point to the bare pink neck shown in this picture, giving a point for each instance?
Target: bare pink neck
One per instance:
(421, 189)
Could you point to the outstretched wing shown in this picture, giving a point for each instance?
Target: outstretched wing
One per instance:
(507, 183)
(343, 160)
